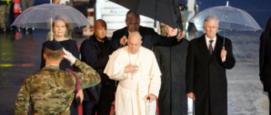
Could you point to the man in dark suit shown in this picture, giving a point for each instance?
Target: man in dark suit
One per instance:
(95, 52)
(207, 61)
(265, 63)
(149, 37)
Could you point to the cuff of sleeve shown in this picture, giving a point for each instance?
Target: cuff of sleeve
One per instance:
(124, 75)
(224, 59)
(156, 95)
(261, 78)
(77, 62)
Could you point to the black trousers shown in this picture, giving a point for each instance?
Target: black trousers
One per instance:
(103, 107)
(269, 96)
(74, 107)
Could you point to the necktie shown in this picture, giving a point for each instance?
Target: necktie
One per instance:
(211, 47)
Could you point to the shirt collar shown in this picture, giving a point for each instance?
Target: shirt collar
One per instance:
(54, 67)
(208, 39)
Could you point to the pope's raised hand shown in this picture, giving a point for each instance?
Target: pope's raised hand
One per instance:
(69, 56)
(131, 68)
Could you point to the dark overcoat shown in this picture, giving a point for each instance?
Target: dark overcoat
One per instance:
(149, 37)
(265, 60)
(206, 75)
(90, 51)
(172, 96)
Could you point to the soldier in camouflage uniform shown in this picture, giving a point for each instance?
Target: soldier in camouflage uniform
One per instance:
(51, 90)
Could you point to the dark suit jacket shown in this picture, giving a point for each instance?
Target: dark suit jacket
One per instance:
(90, 50)
(206, 75)
(265, 59)
(149, 37)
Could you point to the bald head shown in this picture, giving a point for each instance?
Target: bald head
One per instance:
(134, 42)
(100, 29)
(101, 23)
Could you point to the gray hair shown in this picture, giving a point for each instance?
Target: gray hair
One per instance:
(136, 33)
(211, 17)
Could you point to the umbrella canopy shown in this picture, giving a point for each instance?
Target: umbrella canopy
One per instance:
(42, 15)
(166, 11)
(229, 18)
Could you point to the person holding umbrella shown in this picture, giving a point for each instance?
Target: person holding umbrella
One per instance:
(265, 57)
(69, 31)
(149, 37)
(207, 61)
(60, 35)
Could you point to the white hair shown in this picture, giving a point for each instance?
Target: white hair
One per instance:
(211, 17)
(136, 33)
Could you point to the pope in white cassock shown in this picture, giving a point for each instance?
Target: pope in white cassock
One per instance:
(139, 76)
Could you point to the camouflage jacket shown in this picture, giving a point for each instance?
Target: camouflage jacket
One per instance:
(51, 90)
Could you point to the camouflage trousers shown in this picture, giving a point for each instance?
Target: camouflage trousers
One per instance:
(4, 12)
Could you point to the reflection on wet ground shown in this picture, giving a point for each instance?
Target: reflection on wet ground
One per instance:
(20, 56)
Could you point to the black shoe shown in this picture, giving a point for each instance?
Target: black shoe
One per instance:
(25, 31)
(12, 30)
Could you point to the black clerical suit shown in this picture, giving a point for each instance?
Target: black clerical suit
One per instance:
(206, 75)
(172, 96)
(149, 37)
(96, 54)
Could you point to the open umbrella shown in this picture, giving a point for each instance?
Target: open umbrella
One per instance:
(42, 16)
(229, 18)
(166, 11)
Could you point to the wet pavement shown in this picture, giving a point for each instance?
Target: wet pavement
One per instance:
(20, 56)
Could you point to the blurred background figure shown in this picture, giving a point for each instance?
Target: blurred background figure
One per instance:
(172, 59)
(4, 13)
(63, 2)
(182, 7)
(265, 63)
(24, 5)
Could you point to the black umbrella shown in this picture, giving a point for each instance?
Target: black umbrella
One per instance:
(165, 11)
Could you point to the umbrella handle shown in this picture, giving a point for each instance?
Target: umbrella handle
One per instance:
(129, 23)
(128, 27)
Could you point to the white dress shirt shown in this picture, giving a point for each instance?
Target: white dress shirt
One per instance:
(213, 44)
